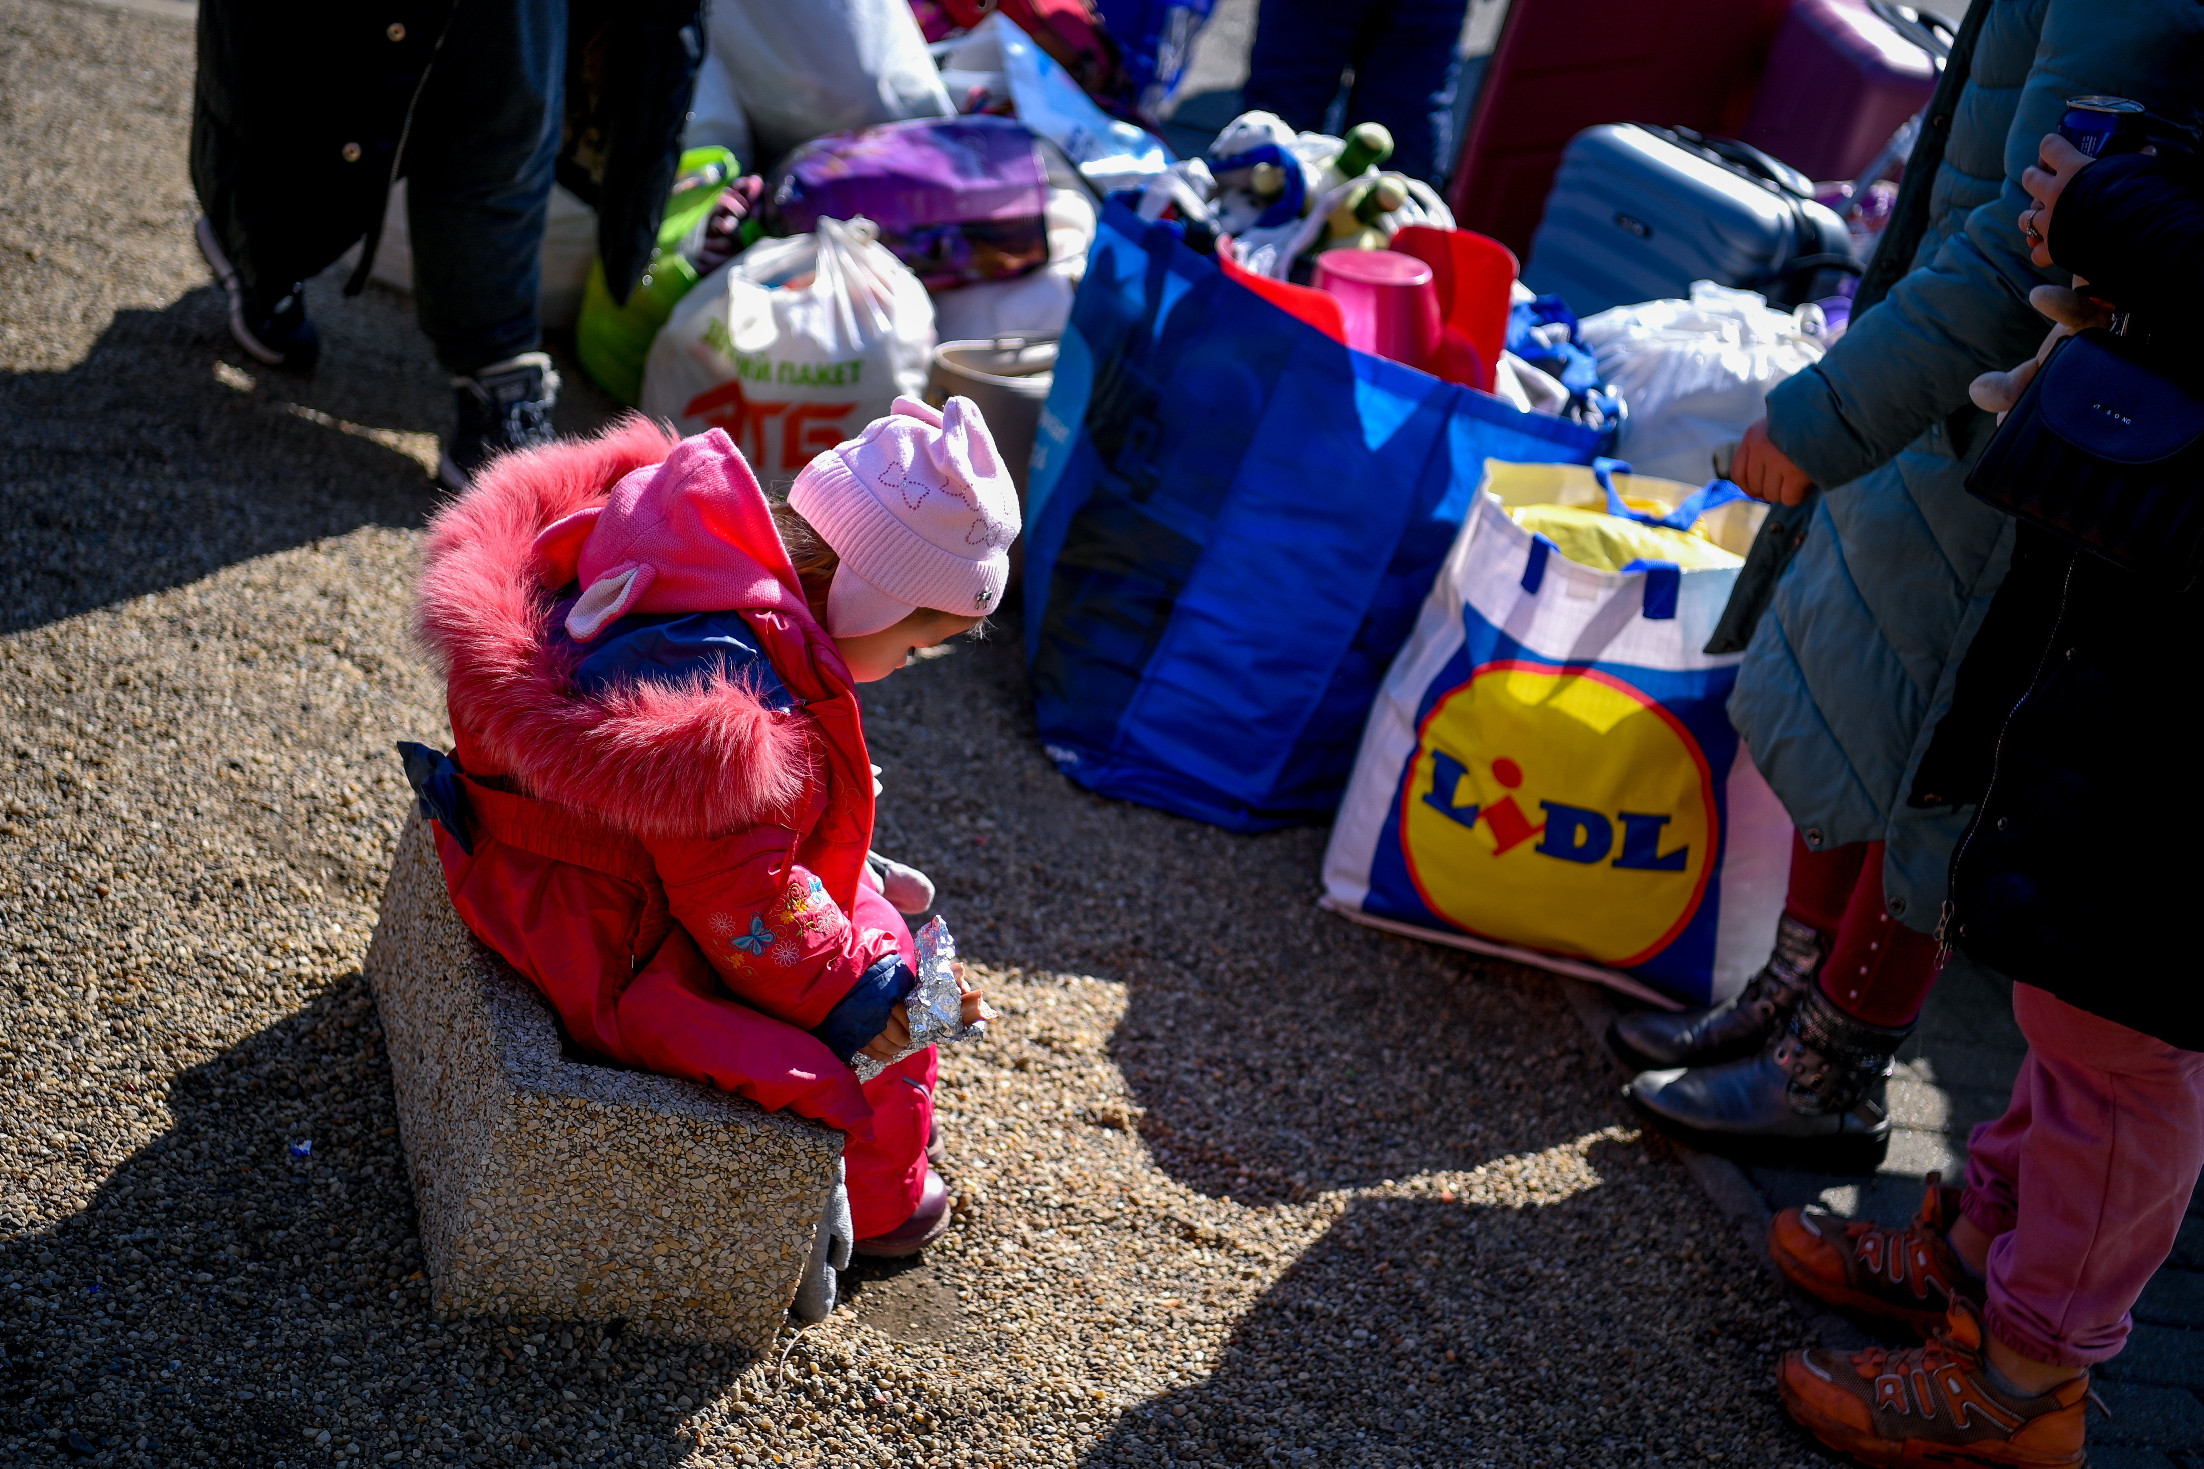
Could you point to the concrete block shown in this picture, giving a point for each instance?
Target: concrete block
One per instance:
(550, 1187)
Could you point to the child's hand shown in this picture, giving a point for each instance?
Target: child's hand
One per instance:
(975, 1007)
(894, 1037)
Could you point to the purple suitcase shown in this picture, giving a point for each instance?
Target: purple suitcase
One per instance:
(1840, 80)
(958, 199)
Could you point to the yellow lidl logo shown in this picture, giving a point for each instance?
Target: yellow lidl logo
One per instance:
(1560, 809)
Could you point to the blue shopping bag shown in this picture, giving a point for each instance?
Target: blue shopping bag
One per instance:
(1232, 520)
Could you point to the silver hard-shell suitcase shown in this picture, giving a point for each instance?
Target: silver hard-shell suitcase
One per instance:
(1638, 213)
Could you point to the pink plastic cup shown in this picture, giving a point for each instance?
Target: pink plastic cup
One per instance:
(1390, 304)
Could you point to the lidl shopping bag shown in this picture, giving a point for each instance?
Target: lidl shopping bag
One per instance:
(1548, 773)
(1232, 520)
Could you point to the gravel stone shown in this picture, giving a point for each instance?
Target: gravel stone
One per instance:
(1237, 1181)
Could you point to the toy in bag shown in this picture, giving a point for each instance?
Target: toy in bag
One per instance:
(957, 199)
(1549, 773)
(612, 339)
(794, 347)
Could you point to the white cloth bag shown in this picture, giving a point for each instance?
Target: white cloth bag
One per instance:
(1548, 774)
(1696, 373)
(794, 346)
(777, 74)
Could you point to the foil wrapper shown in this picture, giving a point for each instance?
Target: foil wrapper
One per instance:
(935, 1006)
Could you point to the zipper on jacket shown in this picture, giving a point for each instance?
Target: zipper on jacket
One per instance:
(1946, 934)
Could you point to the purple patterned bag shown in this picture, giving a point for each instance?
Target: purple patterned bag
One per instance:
(958, 199)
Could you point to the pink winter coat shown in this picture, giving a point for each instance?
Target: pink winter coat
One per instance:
(677, 868)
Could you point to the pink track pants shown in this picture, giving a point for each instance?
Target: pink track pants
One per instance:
(2084, 1180)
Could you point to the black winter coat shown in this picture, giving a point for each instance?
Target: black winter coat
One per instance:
(326, 92)
(2071, 724)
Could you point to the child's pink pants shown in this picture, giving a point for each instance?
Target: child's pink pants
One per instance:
(2084, 1180)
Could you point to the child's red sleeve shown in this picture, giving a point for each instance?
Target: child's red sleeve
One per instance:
(776, 938)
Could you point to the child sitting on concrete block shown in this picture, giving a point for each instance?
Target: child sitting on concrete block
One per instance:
(659, 805)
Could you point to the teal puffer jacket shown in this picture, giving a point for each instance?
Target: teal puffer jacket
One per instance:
(1849, 672)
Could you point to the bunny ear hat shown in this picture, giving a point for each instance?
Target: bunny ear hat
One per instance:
(679, 536)
(921, 511)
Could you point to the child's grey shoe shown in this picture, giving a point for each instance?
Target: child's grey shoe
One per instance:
(907, 889)
(817, 1291)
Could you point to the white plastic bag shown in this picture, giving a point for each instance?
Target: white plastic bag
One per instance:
(1036, 304)
(1696, 373)
(997, 55)
(794, 346)
(569, 246)
(776, 75)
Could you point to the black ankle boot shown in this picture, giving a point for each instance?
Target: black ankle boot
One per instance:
(1813, 1098)
(1740, 1025)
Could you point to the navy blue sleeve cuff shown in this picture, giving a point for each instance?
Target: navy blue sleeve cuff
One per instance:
(862, 1014)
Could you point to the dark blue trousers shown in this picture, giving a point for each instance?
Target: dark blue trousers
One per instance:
(478, 179)
(303, 111)
(1404, 56)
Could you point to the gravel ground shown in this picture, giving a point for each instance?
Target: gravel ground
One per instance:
(1238, 1182)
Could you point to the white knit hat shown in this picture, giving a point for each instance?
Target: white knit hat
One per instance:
(921, 512)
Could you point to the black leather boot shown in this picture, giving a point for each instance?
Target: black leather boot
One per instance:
(1813, 1098)
(1740, 1025)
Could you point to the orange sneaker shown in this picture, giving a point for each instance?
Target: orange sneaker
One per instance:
(1931, 1406)
(1908, 1275)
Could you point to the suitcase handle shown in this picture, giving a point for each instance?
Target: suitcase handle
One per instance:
(1763, 166)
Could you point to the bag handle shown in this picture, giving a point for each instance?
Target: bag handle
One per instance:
(1712, 495)
(1664, 585)
(1664, 580)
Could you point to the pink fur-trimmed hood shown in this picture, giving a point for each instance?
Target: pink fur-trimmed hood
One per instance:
(659, 761)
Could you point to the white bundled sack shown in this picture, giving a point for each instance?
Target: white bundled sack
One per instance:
(1696, 373)
(794, 346)
(776, 75)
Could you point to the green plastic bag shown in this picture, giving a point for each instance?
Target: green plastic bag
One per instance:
(612, 340)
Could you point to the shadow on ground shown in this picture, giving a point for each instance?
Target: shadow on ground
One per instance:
(1274, 1049)
(167, 453)
(1467, 1340)
(220, 1300)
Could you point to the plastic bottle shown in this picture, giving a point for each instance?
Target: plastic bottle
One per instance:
(1368, 145)
(1353, 224)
